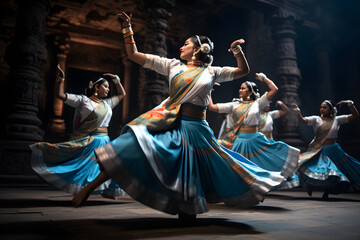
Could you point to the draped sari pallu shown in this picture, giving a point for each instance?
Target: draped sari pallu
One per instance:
(262, 121)
(316, 146)
(165, 115)
(58, 152)
(228, 137)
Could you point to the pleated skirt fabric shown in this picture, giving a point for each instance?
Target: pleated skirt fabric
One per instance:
(74, 171)
(268, 154)
(183, 169)
(331, 169)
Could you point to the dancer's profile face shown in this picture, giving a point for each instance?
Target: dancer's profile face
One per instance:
(103, 89)
(244, 91)
(324, 110)
(186, 51)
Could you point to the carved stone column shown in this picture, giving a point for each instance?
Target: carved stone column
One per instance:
(287, 73)
(324, 81)
(153, 88)
(57, 123)
(7, 26)
(26, 56)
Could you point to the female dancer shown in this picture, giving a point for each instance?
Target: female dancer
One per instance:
(267, 118)
(325, 166)
(168, 158)
(71, 165)
(241, 134)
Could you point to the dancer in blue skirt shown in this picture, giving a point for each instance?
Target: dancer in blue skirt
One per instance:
(241, 132)
(168, 158)
(325, 166)
(72, 165)
(267, 117)
(266, 127)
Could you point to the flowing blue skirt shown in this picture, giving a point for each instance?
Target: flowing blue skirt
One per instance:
(267, 154)
(183, 169)
(75, 172)
(332, 170)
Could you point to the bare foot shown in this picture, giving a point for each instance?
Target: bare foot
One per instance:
(84, 193)
(80, 198)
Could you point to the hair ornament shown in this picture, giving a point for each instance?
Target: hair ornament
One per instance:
(91, 85)
(205, 47)
(257, 95)
(333, 108)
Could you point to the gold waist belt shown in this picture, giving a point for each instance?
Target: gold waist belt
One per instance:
(101, 131)
(248, 129)
(193, 111)
(268, 134)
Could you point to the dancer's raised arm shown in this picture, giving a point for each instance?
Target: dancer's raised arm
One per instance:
(242, 64)
(59, 84)
(273, 88)
(129, 40)
(283, 108)
(298, 113)
(354, 112)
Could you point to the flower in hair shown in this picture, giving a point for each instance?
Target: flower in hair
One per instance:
(91, 85)
(205, 48)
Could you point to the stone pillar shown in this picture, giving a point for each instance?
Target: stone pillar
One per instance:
(57, 124)
(287, 73)
(153, 88)
(7, 26)
(324, 81)
(26, 56)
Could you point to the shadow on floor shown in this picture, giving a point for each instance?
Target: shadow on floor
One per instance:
(137, 228)
(332, 198)
(256, 208)
(30, 203)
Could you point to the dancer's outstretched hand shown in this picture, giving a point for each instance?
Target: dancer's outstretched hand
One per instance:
(110, 75)
(346, 102)
(235, 43)
(126, 19)
(60, 73)
(279, 103)
(295, 107)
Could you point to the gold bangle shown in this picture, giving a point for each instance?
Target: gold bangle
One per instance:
(126, 30)
(128, 34)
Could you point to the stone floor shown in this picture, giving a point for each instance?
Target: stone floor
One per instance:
(38, 211)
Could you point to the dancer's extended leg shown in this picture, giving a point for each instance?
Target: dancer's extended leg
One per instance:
(83, 195)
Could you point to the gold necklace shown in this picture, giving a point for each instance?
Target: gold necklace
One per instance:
(196, 63)
(95, 99)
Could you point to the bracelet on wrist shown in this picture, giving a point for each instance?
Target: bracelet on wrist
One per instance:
(116, 79)
(126, 30)
(261, 77)
(237, 50)
(350, 103)
(128, 34)
(238, 55)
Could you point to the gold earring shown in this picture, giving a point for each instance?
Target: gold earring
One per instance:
(248, 98)
(193, 58)
(95, 94)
